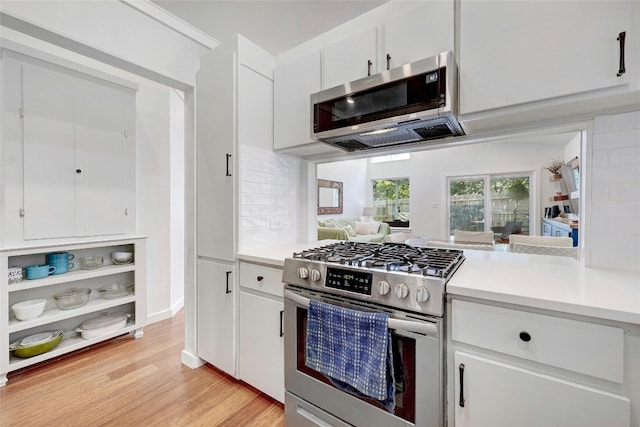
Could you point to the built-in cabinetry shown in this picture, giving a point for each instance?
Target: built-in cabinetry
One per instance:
(510, 366)
(260, 330)
(234, 96)
(54, 318)
(410, 31)
(216, 314)
(568, 60)
(69, 152)
(555, 228)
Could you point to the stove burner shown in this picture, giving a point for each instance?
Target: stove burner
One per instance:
(434, 262)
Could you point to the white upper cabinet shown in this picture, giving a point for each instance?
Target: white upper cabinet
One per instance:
(49, 153)
(294, 82)
(70, 152)
(517, 52)
(416, 33)
(216, 134)
(350, 58)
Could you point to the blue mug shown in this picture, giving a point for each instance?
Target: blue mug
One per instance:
(62, 267)
(39, 271)
(59, 257)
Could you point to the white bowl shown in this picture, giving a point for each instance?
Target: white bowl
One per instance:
(121, 257)
(30, 309)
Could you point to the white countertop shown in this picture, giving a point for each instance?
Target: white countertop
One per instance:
(275, 255)
(549, 282)
(541, 281)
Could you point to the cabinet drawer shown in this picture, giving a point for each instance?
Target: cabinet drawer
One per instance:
(261, 278)
(578, 346)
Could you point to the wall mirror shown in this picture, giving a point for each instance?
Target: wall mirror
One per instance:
(329, 197)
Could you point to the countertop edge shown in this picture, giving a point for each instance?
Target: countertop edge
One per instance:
(545, 304)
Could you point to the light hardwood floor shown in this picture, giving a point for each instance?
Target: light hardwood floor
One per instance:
(133, 382)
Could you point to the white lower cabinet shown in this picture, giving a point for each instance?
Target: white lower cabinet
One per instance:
(261, 329)
(509, 366)
(496, 394)
(216, 314)
(68, 320)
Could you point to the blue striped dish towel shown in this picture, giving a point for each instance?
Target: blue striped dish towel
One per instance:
(352, 347)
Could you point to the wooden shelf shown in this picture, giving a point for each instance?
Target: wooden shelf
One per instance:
(71, 276)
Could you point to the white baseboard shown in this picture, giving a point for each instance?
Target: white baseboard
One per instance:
(191, 360)
(166, 314)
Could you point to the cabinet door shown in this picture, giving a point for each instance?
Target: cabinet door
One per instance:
(422, 31)
(216, 315)
(514, 52)
(500, 395)
(49, 153)
(560, 232)
(347, 59)
(216, 121)
(261, 344)
(546, 229)
(105, 126)
(294, 82)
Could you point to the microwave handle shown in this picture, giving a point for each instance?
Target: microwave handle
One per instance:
(397, 324)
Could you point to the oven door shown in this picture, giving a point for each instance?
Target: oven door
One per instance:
(418, 356)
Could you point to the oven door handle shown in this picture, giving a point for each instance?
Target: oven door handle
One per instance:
(397, 324)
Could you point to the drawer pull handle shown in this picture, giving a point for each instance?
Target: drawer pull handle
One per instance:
(228, 291)
(621, 38)
(260, 278)
(461, 369)
(525, 336)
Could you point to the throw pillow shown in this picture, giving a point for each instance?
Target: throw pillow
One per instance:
(350, 231)
(331, 223)
(370, 227)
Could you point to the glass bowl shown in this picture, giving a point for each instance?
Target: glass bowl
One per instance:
(72, 298)
(91, 262)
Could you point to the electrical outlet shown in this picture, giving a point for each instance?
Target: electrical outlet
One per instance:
(276, 223)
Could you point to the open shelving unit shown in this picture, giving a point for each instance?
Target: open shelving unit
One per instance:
(54, 318)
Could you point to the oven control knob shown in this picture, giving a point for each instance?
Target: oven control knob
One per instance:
(422, 294)
(303, 272)
(401, 291)
(383, 287)
(315, 275)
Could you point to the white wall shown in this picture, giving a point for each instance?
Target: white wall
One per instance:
(614, 189)
(177, 198)
(353, 175)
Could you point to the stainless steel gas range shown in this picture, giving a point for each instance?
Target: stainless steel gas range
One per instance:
(406, 283)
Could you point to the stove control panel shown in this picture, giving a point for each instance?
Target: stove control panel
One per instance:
(348, 280)
(404, 291)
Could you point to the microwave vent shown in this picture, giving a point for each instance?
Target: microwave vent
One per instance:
(434, 132)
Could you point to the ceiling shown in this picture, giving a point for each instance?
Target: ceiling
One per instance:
(274, 25)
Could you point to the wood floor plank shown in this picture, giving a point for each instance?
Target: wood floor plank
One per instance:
(133, 382)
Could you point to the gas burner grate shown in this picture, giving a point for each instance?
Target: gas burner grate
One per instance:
(432, 262)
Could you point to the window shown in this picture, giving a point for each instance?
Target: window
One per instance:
(498, 203)
(391, 201)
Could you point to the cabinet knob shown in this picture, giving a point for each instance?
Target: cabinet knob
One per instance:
(524, 336)
(78, 170)
(260, 278)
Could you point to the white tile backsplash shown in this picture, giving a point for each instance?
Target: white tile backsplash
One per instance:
(614, 230)
(269, 208)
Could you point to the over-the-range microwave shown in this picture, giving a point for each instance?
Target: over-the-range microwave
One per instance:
(411, 103)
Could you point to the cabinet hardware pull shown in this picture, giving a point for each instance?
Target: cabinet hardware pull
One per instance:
(388, 61)
(126, 134)
(21, 113)
(621, 38)
(228, 274)
(228, 157)
(369, 64)
(525, 336)
(260, 278)
(281, 322)
(21, 212)
(461, 369)
(78, 170)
